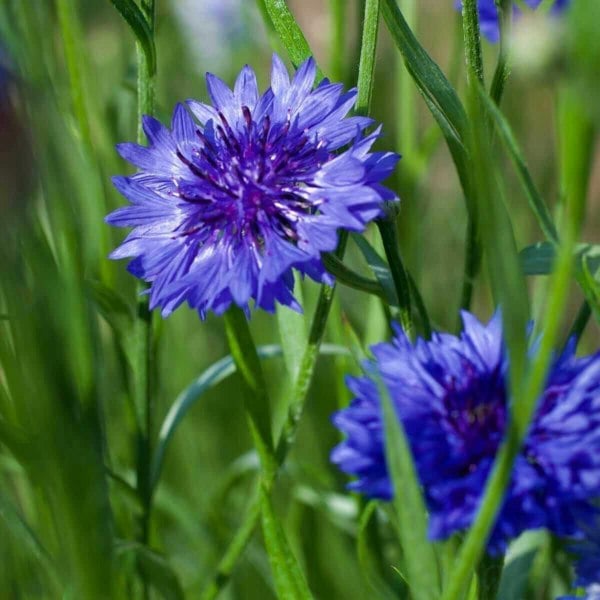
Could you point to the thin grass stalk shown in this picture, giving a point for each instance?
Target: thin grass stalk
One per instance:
(474, 60)
(142, 336)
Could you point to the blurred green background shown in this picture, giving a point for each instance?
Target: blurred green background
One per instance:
(69, 513)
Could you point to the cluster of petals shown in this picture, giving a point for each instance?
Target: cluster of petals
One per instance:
(450, 394)
(488, 14)
(238, 193)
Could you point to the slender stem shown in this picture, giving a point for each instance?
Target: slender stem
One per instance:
(235, 549)
(473, 255)
(348, 277)
(502, 67)
(143, 369)
(581, 320)
(254, 387)
(472, 38)
(420, 306)
(387, 230)
(69, 28)
(339, 11)
(407, 107)
(474, 60)
(368, 51)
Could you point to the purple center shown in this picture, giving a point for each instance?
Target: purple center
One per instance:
(250, 178)
(476, 414)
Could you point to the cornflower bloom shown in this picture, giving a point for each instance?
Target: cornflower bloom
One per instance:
(225, 207)
(451, 397)
(587, 568)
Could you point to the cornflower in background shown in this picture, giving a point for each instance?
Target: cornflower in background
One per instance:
(225, 208)
(488, 14)
(450, 394)
(587, 567)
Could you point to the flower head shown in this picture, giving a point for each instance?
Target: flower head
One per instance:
(488, 14)
(587, 567)
(450, 394)
(223, 208)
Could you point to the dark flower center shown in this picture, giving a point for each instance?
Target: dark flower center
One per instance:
(251, 177)
(476, 413)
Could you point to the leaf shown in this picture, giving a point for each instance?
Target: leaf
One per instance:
(290, 34)
(155, 568)
(538, 259)
(289, 579)
(591, 287)
(384, 277)
(538, 206)
(364, 551)
(380, 269)
(348, 277)
(292, 332)
(515, 574)
(112, 306)
(431, 82)
(421, 567)
(139, 25)
(214, 375)
(29, 542)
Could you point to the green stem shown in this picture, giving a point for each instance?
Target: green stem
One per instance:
(144, 359)
(368, 52)
(502, 67)
(581, 320)
(254, 388)
(235, 549)
(472, 38)
(473, 255)
(69, 27)
(339, 13)
(387, 230)
(474, 60)
(348, 277)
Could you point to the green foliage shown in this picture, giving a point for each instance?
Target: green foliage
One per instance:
(100, 498)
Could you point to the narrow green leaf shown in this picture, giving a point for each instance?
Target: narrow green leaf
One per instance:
(515, 574)
(350, 278)
(384, 277)
(538, 206)
(430, 80)
(591, 287)
(214, 375)
(117, 312)
(368, 54)
(366, 560)
(139, 25)
(379, 267)
(157, 571)
(28, 541)
(419, 555)
(290, 34)
(538, 259)
(292, 332)
(289, 579)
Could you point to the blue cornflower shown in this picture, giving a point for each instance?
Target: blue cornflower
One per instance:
(587, 568)
(488, 14)
(225, 207)
(451, 396)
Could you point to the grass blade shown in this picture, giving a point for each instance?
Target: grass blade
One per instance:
(289, 580)
(139, 25)
(419, 554)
